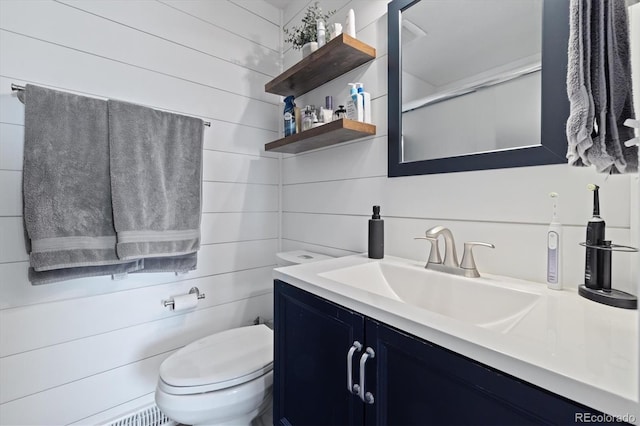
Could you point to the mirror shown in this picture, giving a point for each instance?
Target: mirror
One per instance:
(476, 84)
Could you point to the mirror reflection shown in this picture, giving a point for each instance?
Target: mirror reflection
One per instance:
(471, 77)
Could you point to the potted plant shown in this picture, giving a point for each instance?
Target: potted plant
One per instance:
(305, 36)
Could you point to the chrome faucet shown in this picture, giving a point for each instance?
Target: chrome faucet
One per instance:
(467, 267)
(450, 256)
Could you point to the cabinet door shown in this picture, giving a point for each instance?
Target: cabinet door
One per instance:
(312, 339)
(418, 383)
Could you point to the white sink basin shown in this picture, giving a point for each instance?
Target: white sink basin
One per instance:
(472, 300)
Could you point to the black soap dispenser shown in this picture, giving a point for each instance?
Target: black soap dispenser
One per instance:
(376, 235)
(593, 268)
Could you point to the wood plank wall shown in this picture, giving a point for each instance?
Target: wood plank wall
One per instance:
(328, 193)
(72, 351)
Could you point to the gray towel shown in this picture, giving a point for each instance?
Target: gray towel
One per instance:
(65, 274)
(179, 264)
(156, 180)
(66, 186)
(599, 87)
(580, 121)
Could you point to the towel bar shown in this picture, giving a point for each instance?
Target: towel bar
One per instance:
(15, 88)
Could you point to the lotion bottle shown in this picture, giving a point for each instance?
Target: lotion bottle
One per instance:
(354, 104)
(366, 103)
(554, 248)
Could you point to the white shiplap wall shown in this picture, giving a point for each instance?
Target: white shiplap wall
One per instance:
(84, 350)
(328, 193)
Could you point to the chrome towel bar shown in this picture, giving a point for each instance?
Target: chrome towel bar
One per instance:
(16, 88)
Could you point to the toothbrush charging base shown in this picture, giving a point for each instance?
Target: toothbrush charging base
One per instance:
(617, 298)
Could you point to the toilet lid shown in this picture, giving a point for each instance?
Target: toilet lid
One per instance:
(221, 360)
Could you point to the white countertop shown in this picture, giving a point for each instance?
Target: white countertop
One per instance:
(585, 351)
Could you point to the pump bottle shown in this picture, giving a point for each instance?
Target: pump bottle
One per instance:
(376, 235)
(354, 104)
(366, 103)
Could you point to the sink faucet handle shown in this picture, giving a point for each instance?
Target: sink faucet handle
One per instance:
(468, 261)
(434, 254)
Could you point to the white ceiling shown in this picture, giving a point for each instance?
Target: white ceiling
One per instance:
(281, 4)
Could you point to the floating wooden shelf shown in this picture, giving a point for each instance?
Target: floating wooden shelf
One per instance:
(340, 55)
(337, 131)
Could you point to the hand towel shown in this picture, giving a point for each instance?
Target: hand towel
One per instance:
(581, 110)
(156, 180)
(66, 185)
(599, 69)
(620, 96)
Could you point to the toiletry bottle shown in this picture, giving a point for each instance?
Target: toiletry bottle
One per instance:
(366, 103)
(322, 40)
(307, 120)
(341, 112)
(350, 24)
(376, 235)
(554, 247)
(289, 116)
(349, 102)
(354, 104)
(327, 112)
(298, 116)
(314, 118)
(595, 237)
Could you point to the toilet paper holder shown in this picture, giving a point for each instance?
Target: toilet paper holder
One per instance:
(193, 290)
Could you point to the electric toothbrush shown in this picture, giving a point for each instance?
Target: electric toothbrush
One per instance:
(554, 247)
(595, 237)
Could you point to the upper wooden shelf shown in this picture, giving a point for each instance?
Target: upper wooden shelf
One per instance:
(340, 55)
(337, 131)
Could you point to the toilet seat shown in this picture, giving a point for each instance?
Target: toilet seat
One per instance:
(218, 361)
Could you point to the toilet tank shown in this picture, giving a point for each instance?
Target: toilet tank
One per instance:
(297, 257)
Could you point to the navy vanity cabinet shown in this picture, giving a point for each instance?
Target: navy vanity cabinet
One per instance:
(419, 383)
(312, 339)
(412, 381)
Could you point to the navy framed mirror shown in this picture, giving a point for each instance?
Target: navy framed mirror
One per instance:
(479, 87)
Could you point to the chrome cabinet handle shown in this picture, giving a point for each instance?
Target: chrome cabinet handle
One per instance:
(366, 397)
(354, 389)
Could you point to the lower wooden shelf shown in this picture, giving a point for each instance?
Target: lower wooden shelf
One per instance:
(337, 131)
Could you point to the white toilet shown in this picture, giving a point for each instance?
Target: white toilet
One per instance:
(225, 378)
